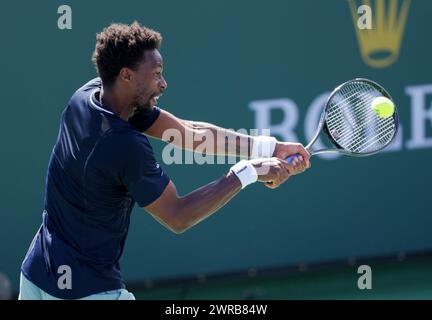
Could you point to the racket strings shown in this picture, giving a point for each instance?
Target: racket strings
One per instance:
(353, 124)
(341, 117)
(354, 128)
(336, 108)
(361, 145)
(363, 95)
(337, 117)
(386, 134)
(355, 139)
(368, 137)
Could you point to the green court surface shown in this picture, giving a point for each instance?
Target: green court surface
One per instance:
(390, 280)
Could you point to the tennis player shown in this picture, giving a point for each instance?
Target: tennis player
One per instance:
(102, 164)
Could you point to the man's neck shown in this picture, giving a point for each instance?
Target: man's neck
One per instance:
(119, 104)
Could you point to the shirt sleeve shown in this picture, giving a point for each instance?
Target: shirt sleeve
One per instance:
(146, 182)
(143, 176)
(139, 171)
(143, 119)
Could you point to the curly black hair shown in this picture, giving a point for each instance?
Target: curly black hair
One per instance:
(122, 45)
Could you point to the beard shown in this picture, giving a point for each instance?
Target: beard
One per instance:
(142, 104)
(139, 112)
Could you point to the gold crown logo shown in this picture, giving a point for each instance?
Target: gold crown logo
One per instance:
(380, 45)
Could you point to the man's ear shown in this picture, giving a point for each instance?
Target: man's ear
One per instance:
(125, 74)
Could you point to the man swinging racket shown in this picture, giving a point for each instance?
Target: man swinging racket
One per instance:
(102, 164)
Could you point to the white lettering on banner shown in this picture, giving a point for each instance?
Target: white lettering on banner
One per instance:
(285, 129)
(421, 117)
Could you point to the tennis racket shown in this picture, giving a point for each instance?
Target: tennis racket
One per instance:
(351, 125)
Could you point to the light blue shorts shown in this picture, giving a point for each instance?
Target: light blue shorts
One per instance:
(29, 291)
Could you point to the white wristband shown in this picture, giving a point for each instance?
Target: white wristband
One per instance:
(263, 147)
(245, 171)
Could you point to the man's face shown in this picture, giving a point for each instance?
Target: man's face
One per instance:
(149, 83)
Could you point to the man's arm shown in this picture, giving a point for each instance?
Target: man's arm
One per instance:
(179, 213)
(189, 135)
(193, 133)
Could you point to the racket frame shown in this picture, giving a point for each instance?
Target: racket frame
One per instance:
(323, 125)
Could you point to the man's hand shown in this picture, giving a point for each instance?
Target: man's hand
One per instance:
(272, 171)
(284, 150)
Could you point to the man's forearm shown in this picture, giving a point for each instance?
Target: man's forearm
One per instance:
(179, 213)
(204, 201)
(223, 142)
(205, 137)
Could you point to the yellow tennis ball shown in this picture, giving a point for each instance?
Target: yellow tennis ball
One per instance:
(383, 107)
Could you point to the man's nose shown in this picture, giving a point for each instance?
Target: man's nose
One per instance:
(163, 84)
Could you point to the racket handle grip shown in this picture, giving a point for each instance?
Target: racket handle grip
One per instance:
(291, 158)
